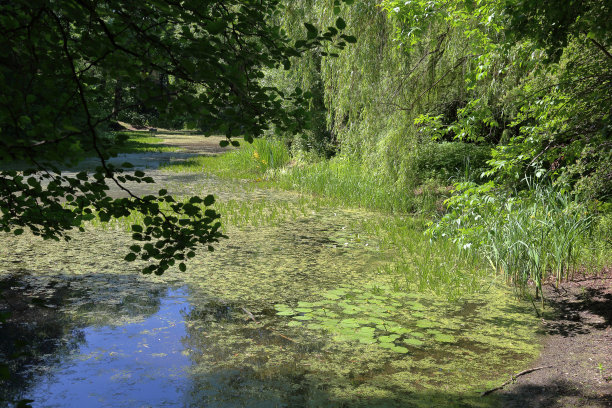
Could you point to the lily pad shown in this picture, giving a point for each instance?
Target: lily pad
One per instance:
(366, 340)
(349, 323)
(351, 310)
(388, 339)
(398, 329)
(424, 324)
(367, 330)
(288, 312)
(413, 342)
(444, 338)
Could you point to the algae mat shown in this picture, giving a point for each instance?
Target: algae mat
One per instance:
(292, 310)
(292, 315)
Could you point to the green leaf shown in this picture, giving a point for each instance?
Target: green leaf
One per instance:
(424, 324)
(340, 23)
(413, 342)
(182, 267)
(131, 257)
(312, 31)
(209, 200)
(287, 312)
(388, 339)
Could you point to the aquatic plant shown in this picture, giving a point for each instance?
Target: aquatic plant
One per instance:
(349, 183)
(369, 316)
(527, 239)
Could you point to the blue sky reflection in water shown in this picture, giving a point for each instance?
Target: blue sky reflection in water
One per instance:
(134, 365)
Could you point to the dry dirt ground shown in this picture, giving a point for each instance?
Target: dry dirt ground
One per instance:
(577, 330)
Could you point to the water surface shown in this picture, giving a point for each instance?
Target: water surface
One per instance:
(292, 310)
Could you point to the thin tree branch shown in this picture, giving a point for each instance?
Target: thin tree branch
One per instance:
(602, 48)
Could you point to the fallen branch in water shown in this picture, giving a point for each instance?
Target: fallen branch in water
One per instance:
(512, 379)
(250, 315)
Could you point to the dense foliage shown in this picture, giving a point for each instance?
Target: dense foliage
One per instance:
(491, 96)
(508, 101)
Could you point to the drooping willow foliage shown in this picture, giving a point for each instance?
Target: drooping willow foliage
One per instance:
(478, 72)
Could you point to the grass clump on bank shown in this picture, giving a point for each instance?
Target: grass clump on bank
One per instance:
(348, 183)
(419, 188)
(530, 237)
(249, 161)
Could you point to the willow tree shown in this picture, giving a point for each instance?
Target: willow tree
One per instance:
(62, 66)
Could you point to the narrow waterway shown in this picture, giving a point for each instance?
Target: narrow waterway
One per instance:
(291, 310)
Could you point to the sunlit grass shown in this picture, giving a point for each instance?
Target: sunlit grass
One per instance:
(350, 184)
(249, 161)
(139, 142)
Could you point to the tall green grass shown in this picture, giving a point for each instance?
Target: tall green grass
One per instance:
(532, 238)
(249, 161)
(351, 184)
(416, 263)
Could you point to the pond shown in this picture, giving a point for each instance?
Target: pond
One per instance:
(293, 309)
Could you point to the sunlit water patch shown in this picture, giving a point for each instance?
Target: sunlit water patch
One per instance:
(136, 364)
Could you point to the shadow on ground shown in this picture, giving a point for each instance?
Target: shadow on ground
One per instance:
(577, 351)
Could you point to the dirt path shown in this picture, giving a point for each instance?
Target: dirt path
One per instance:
(578, 346)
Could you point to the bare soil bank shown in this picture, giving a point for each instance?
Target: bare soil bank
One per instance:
(577, 344)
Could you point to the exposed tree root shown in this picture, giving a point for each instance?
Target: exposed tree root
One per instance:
(512, 379)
